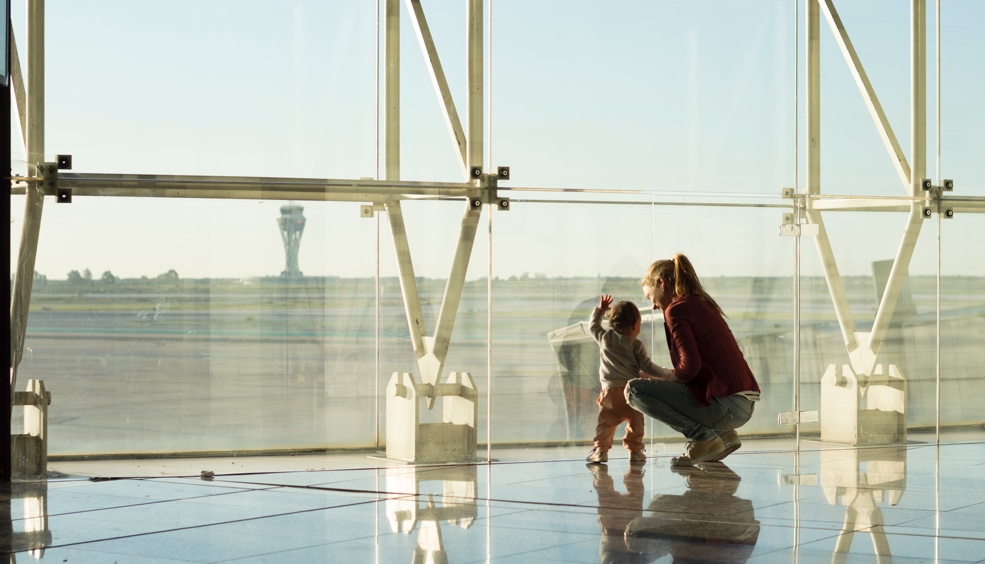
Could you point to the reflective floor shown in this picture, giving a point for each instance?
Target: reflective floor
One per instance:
(765, 503)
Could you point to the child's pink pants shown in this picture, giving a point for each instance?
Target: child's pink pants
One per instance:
(613, 410)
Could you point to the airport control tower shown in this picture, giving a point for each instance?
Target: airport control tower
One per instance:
(291, 222)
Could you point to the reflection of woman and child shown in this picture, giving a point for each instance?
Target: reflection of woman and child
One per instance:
(707, 523)
(709, 392)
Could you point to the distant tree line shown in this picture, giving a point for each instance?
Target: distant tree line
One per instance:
(85, 277)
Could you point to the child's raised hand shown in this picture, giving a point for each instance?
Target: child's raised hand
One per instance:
(605, 300)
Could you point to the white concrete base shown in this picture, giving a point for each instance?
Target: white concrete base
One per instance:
(29, 451)
(452, 440)
(858, 409)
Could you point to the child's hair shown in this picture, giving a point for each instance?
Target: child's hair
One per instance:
(624, 316)
(679, 275)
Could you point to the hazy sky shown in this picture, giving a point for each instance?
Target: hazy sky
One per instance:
(658, 97)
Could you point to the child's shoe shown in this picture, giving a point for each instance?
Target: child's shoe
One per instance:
(598, 455)
(637, 456)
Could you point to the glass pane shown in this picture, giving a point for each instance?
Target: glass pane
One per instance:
(429, 150)
(265, 89)
(961, 113)
(551, 261)
(692, 96)
(746, 266)
(962, 280)
(962, 323)
(584, 250)
(854, 157)
(195, 337)
(864, 366)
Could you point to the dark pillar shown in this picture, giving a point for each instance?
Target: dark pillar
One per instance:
(5, 399)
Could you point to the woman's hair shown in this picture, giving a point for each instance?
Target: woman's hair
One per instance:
(679, 274)
(624, 316)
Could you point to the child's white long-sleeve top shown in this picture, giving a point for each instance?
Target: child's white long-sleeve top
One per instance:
(622, 358)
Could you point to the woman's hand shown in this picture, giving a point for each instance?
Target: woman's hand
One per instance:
(666, 375)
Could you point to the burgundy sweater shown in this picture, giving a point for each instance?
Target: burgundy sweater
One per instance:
(704, 352)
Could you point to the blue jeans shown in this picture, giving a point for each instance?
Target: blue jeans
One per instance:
(672, 403)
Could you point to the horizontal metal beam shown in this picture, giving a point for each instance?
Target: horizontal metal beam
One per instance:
(381, 191)
(959, 204)
(251, 188)
(862, 204)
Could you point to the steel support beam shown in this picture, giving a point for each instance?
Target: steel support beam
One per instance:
(863, 348)
(17, 82)
(408, 281)
(244, 187)
(475, 85)
(6, 393)
(456, 283)
(431, 353)
(34, 202)
(391, 89)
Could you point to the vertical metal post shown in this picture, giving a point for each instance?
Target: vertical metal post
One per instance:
(34, 202)
(391, 147)
(475, 84)
(798, 241)
(489, 245)
(391, 83)
(937, 363)
(813, 92)
(918, 86)
(6, 392)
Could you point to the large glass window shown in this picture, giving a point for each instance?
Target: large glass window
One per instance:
(248, 321)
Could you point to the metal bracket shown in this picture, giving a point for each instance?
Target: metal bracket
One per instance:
(48, 183)
(795, 417)
(789, 226)
(369, 210)
(486, 191)
(935, 193)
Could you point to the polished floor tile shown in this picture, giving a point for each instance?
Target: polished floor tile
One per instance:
(769, 502)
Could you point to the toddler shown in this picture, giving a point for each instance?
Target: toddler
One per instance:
(623, 358)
